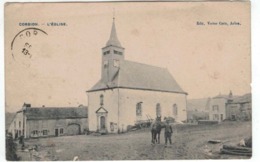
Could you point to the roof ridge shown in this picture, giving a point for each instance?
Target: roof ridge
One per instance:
(146, 64)
(54, 113)
(174, 80)
(136, 75)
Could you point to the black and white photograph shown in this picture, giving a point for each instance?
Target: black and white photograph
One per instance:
(127, 81)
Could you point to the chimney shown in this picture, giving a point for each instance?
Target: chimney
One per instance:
(230, 94)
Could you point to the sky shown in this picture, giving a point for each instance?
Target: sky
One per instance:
(204, 59)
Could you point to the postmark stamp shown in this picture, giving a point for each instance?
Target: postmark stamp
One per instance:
(24, 43)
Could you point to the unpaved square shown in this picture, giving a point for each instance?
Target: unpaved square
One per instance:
(190, 142)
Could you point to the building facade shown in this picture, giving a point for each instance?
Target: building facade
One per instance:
(217, 110)
(240, 108)
(229, 107)
(32, 122)
(129, 92)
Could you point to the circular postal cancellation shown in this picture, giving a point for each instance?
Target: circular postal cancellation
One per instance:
(27, 44)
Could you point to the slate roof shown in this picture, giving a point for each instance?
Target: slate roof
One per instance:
(113, 40)
(243, 99)
(135, 75)
(39, 113)
(222, 96)
(9, 118)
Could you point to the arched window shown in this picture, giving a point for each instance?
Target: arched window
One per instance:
(175, 110)
(139, 109)
(158, 109)
(101, 100)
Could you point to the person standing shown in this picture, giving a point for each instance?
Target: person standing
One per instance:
(168, 133)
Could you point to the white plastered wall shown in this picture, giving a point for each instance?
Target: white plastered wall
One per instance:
(130, 97)
(110, 104)
(126, 100)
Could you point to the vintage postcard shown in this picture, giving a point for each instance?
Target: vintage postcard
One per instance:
(128, 81)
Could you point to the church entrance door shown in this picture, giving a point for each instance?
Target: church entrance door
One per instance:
(102, 120)
(102, 123)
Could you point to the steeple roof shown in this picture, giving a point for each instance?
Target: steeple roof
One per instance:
(113, 40)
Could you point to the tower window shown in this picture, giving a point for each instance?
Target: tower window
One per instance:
(117, 52)
(158, 110)
(106, 52)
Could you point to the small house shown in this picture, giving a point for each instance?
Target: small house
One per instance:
(34, 122)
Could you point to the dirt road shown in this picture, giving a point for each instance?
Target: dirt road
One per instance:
(190, 142)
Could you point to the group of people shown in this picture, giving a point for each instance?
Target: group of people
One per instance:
(156, 130)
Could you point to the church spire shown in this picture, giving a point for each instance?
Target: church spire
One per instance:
(113, 40)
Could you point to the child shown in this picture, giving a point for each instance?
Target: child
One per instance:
(168, 133)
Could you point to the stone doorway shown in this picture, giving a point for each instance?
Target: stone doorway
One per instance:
(102, 120)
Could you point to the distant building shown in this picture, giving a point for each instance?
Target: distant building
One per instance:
(230, 107)
(129, 92)
(8, 119)
(217, 109)
(239, 108)
(198, 109)
(33, 122)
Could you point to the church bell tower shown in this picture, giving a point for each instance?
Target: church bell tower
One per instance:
(112, 56)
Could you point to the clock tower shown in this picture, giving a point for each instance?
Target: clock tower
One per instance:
(112, 57)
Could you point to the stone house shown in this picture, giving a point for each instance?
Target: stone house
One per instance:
(240, 108)
(32, 122)
(217, 109)
(230, 107)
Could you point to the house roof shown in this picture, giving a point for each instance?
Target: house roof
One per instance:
(9, 118)
(236, 99)
(201, 104)
(135, 75)
(243, 99)
(38, 113)
(222, 96)
(226, 96)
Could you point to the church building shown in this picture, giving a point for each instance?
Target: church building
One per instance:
(129, 92)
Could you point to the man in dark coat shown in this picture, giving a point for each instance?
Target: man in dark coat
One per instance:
(168, 133)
